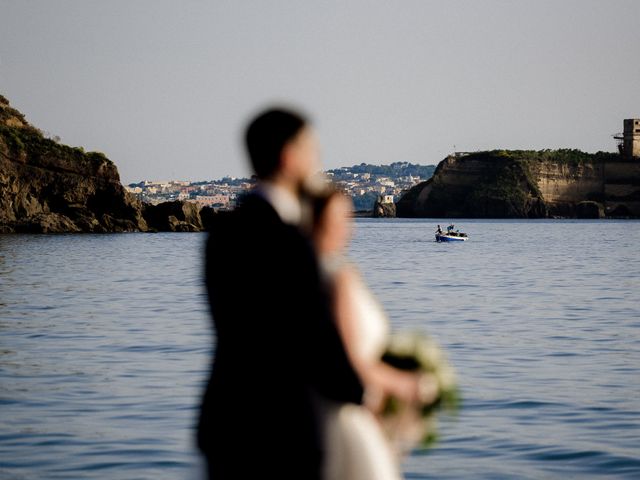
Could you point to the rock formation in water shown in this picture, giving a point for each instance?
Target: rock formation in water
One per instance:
(528, 184)
(383, 208)
(178, 216)
(47, 187)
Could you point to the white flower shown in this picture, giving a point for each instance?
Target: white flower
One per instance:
(418, 352)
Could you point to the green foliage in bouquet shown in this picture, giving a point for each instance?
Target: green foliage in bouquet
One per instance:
(416, 352)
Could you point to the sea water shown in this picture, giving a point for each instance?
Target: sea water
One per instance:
(105, 345)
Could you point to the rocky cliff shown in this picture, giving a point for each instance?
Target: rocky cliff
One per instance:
(47, 187)
(528, 184)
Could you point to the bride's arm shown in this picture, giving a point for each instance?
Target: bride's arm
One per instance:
(379, 378)
(382, 380)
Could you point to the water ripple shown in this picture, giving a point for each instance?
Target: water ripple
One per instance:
(105, 344)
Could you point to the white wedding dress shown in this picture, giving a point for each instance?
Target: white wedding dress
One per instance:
(356, 446)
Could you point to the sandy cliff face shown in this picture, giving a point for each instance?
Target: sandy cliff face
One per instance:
(563, 186)
(49, 187)
(527, 184)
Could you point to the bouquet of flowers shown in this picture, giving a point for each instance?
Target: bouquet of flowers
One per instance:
(413, 426)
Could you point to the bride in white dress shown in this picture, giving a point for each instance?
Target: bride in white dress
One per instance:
(357, 447)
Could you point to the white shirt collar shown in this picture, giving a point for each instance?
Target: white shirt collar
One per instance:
(286, 204)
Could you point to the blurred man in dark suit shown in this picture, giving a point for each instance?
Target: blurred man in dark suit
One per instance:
(277, 345)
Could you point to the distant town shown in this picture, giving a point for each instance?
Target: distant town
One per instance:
(364, 183)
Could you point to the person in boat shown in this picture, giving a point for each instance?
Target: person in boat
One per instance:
(450, 228)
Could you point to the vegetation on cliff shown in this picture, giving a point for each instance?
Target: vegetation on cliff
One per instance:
(569, 156)
(395, 169)
(507, 187)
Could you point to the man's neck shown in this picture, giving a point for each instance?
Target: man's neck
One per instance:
(284, 198)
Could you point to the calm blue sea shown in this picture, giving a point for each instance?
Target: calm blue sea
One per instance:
(105, 345)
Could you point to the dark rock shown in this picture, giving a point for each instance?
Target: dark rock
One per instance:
(475, 186)
(383, 209)
(46, 223)
(207, 215)
(48, 187)
(589, 209)
(620, 211)
(175, 216)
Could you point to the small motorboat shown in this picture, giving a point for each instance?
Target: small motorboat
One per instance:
(451, 235)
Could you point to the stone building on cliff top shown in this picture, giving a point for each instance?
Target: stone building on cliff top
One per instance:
(629, 140)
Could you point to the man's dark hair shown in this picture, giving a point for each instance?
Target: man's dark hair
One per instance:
(267, 135)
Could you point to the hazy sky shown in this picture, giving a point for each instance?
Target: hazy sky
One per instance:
(164, 88)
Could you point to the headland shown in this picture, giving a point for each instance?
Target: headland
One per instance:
(563, 183)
